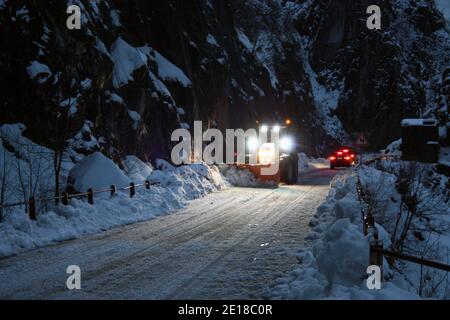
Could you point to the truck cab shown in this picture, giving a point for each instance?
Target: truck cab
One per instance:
(284, 148)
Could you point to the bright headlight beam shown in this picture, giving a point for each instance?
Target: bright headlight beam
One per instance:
(264, 128)
(276, 128)
(286, 144)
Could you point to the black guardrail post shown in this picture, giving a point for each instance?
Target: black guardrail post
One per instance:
(147, 184)
(113, 190)
(65, 199)
(132, 190)
(90, 196)
(32, 208)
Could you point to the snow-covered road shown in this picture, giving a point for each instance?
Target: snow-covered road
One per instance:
(231, 244)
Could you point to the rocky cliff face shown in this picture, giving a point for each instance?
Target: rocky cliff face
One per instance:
(385, 76)
(139, 69)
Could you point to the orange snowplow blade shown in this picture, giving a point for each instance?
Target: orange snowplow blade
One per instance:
(256, 170)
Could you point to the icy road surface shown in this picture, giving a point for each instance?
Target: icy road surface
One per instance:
(232, 244)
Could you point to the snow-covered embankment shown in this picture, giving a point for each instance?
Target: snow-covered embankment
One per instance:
(173, 186)
(334, 264)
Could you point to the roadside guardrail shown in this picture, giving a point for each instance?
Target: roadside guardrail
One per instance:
(30, 205)
(376, 250)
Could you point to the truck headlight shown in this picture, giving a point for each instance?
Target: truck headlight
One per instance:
(266, 153)
(286, 144)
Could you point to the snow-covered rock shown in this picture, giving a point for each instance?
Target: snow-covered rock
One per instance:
(98, 172)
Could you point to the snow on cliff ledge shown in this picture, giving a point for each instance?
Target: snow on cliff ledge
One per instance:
(127, 59)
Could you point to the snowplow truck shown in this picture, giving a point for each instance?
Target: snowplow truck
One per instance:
(266, 152)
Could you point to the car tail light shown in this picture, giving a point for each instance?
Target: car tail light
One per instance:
(332, 158)
(339, 153)
(347, 158)
(352, 155)
(345, 151)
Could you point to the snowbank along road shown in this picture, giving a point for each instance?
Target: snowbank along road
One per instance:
(232, 244)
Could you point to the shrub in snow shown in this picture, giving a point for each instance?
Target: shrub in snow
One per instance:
(96, 171)
(83, 143)
(26, 167)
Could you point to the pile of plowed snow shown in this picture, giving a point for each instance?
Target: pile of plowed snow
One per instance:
(172, 187)
(243, 178)
(306, 163)
(334, 266)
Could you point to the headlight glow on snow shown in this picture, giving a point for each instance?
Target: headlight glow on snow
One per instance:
(276, 128)
(264, 128)
(286, 144)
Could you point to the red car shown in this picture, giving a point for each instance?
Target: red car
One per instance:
(344, 157)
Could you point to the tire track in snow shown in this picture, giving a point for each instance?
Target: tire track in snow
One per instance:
(202, 228)
(96, 243)
(196, 252)
(274, 218)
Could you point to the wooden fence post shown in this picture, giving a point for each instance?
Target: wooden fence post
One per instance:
(90, 196)
(147, 184)
(65, 199)
(32, 208)
(132, 190)
(113, 190)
